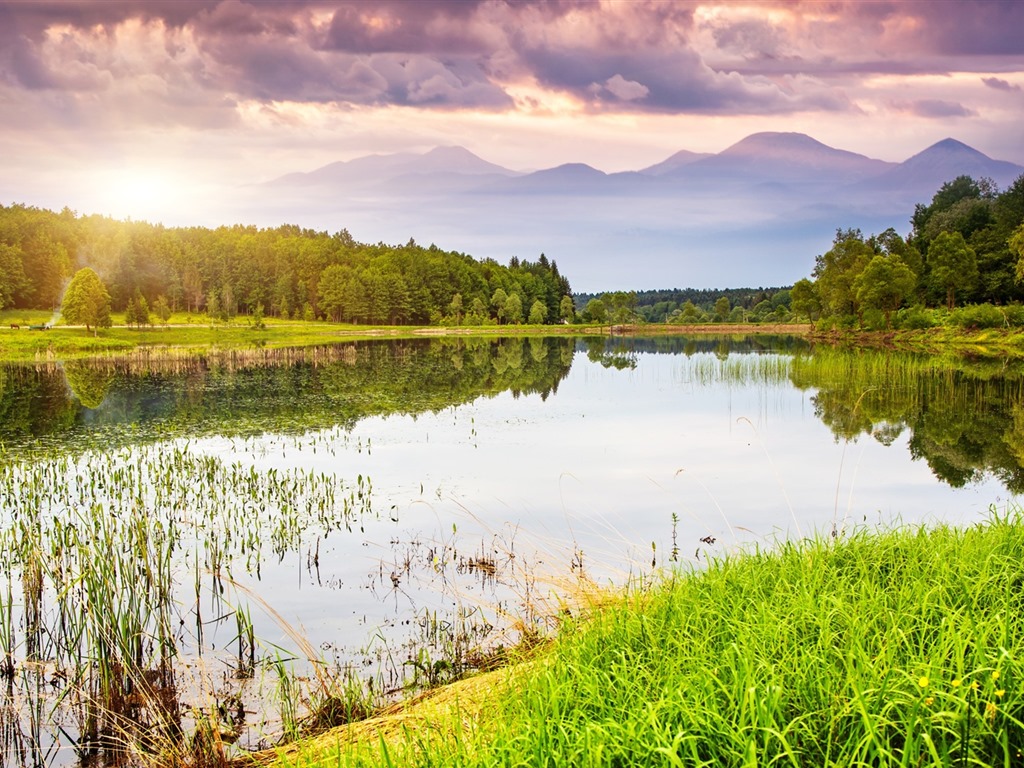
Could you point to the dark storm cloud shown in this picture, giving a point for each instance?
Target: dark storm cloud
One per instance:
(671, 80)
(34, 17)
(402, 28)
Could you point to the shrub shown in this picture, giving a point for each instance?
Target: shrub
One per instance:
(914, 318)
(874, 320)
(978, 316)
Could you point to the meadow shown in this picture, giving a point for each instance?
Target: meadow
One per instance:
(900, 647)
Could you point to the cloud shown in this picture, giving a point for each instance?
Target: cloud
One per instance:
(626, 90)
(773, 57)
(999, 84)
(932, 108)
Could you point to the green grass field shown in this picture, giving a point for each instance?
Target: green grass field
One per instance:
(898, 648)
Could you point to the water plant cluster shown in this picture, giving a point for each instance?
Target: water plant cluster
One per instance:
(901, 647)
(113, 569)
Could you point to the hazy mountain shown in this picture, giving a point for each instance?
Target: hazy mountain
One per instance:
(784, 157)
(673, 163)
(944, 161)
(759, 211)
(375, 169)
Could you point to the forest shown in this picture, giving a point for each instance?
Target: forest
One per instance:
(285, 272)
(959, 265)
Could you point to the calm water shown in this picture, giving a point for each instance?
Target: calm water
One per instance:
(484, 475)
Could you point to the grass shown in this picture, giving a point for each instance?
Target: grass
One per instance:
(186, 333)
(902, 648)
(112, 567)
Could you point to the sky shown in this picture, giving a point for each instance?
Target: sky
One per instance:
(157, 109)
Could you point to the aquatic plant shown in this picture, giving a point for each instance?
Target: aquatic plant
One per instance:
(102, 545)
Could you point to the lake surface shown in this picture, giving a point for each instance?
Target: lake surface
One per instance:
(373, 507)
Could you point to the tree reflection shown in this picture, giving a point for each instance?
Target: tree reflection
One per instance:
(289, 391)
(964, 416)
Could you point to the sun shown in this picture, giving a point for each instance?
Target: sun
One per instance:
(137, 193)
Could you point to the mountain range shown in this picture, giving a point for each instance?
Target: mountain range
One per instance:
(756, 213)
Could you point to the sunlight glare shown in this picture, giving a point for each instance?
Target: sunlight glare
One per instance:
(137, 193)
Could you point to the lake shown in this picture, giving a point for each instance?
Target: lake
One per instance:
(186, 535)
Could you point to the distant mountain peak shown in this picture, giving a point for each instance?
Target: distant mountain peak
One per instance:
(679, 160)
(776, 141)
(369, 169)
(950, 147)
(787, 157)
(944, 161)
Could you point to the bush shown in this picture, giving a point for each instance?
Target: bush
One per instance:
(1014, 314)
(874, 320)
(837, 322)
(978, 316)
(914, 318)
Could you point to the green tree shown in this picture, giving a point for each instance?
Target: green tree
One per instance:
(804, 299)
(621, 305)
(567, 309)
(257, 317)
(12, 276)
(86, 301)
(836, 270)
(885, 283)
(455, 308)
(952, 264)
(595, 311)
(722, 307)
(499, 299)
(162, 309)
(477, 311)
(1017, 247)
(331, 290)
(213, 306)
(538, 312)
(514, 309)
(962, 205)
(137, 311)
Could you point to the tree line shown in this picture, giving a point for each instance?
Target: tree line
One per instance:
(964, 247)
(285, 272)
(687, 306)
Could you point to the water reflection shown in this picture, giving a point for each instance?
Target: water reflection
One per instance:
(963, 415)
(82, 404)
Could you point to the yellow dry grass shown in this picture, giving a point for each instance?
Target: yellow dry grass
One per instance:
(440, 713)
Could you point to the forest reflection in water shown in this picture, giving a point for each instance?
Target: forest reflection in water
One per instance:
(964, 415)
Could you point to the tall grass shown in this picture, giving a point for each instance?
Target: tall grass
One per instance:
(902, 648)
(95, 555)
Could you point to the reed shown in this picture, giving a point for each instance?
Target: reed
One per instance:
(97, 555)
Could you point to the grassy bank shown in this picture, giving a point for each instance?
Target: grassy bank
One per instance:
(894, 648)
(22, 338)
(989, 341)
